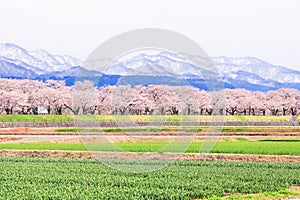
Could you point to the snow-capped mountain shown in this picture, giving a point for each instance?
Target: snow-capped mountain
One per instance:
(72, 72)
(161, 68)
(249, 69)
(164, 64)
(39, 61)
(229, 66)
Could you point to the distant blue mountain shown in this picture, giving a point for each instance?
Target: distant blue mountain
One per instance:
(162, 68)
(11, 70)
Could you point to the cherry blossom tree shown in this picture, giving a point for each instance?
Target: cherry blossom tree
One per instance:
(56, 95)
(104, 99)
(273, 102)
(83, 98)
(259, 103)
(187, 98)
(163, 99)
(121, 98)
(289, 100)
(140, 102)
(26, 96)
(204, 102)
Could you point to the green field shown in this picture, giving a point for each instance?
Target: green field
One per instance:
(36, 118)
(48, 178)
(44, 178)
(240, 147)
(141, 118)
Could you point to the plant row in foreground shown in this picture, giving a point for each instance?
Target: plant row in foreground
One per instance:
(33, 178)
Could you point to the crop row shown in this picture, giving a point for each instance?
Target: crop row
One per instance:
(36, 178)
(241, 147)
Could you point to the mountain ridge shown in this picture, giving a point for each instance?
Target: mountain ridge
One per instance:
(38, 59)
(245, 72)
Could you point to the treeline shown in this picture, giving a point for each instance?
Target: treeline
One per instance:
(30, 97)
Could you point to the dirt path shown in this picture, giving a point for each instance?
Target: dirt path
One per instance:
(151, 156)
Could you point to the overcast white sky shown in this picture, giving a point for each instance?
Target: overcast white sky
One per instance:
(267, 29)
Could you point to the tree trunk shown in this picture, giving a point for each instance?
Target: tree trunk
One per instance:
(284, 111)
(122, 111)
(174, 111)
(162, 111)
(189, 110)
(253, 111)
(8, 111)
(58, 110)
(249, 110)
(294, 111)
(209, 111)
(201, 111)
(231, 111)
(221, 111)
(49, 110)
(74, 111)
(274, 111)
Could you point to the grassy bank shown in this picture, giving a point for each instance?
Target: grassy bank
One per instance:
(140, 118)
(186, 129)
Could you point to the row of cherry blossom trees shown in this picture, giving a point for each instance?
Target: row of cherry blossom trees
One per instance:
(26, 96)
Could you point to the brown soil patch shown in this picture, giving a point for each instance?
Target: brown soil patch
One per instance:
(51, 131)
(113, 139)
(120, 138)
(151, 156)
(9, 139)
(237, 134)
(14, 130)
(33, 131)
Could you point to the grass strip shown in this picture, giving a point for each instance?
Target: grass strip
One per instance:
(139, 118)
(239, 147)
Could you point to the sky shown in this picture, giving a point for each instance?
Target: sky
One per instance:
(266, 29)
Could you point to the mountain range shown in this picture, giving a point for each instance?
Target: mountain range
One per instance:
(161, 68)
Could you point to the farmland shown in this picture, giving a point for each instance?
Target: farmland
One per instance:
(238, 147)
(65, 164)
(33, 178)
